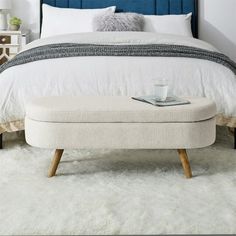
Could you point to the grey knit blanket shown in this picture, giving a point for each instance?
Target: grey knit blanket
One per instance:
(150, 50)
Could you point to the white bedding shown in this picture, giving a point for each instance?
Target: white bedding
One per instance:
(115, 76)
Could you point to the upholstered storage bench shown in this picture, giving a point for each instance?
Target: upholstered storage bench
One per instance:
(118, 123)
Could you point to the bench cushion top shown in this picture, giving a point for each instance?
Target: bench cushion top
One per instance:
(105, 109)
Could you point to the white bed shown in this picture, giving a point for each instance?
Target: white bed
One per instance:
(115, 76)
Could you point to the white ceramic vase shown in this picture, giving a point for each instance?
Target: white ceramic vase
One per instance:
(14, 27)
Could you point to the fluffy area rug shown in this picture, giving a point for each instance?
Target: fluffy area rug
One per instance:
(118, 192)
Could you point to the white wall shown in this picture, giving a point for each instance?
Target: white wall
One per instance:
(28, 11)
(217, 24)
(217, 20)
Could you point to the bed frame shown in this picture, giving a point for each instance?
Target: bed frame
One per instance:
(147, 7)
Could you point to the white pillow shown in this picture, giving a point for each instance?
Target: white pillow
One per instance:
(169, 24)
(57, 21)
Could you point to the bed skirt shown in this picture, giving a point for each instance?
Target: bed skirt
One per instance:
(12, 126)
(19, 125)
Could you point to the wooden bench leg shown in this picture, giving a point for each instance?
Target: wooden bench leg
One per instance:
(185, 163)
(55, 162)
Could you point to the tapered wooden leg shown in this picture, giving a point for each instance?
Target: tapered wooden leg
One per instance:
(185, 163)
(55, 162)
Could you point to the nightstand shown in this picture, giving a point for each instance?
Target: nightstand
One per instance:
(11, 42)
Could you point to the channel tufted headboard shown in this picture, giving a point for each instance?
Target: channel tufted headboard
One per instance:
(147, 7)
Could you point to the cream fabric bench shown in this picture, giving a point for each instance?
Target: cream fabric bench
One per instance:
(118, 123)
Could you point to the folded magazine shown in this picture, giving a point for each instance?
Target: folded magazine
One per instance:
(170, 101)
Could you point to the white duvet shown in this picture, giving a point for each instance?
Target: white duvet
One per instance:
(115, 76)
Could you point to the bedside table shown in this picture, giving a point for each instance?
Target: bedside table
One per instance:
(11, 42)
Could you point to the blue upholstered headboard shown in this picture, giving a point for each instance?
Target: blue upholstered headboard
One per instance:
(147, 7)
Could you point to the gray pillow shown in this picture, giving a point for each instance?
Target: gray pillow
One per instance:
(119, 22)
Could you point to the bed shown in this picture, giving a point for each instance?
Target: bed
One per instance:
(119, 75)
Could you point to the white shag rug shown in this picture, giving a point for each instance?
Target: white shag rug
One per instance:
(118, 192)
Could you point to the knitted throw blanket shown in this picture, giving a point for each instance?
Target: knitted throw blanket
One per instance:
(52, 51)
